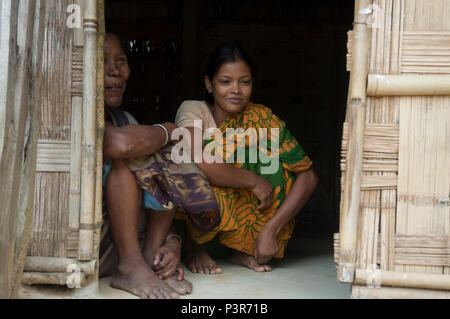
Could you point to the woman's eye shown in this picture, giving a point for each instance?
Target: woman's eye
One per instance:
(245, 82)
(224, 81)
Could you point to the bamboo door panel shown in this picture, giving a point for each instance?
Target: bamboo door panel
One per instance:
(51, 221)
(62, 148)
(403, 223)
(423, 207)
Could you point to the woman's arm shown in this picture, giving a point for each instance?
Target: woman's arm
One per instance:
(134, 140)
(227, 175)
(266, 245)
(301, 191)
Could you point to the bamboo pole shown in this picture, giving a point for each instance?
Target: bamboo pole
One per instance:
(27, 185)
(408, 84)
(8, 26)
(20, 16)
(100, 121)
(404, 279)
(55, 265)
(47, 278)
(356, 119)
(362, 292)
(87, 214)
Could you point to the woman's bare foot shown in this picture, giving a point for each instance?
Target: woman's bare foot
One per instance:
(198, 261)
(181, 287)
(138, 279)
(248, 261)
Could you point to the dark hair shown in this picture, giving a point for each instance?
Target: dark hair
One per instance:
(225, 54)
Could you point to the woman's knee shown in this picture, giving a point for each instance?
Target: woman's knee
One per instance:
(120, 176)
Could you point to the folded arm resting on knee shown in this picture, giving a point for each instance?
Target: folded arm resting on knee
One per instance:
(266, 245)
(227, 175)
(132, 141)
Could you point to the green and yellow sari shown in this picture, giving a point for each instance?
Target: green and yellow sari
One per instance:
(241, 221)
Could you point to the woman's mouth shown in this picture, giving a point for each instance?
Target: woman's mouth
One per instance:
(235, 100)
(114, 89)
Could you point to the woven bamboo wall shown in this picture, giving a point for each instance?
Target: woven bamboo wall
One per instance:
(67, 213)
(51, 221)
(404, 216)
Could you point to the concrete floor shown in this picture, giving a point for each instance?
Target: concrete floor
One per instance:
(307, 272)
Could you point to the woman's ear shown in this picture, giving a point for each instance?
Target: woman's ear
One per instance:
(208, 84)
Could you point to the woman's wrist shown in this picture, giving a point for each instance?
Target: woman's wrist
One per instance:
(174, 239)
(274, 226)
(251, 180)
(170, 128)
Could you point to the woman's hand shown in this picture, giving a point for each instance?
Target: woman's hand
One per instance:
(263, 190)
(266, 246)
(167, 260)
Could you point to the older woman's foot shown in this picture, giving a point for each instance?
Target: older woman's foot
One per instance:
(140, 280)
(248, 261)
(181, 287)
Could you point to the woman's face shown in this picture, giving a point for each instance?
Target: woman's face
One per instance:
(117, 71)
(231, 87)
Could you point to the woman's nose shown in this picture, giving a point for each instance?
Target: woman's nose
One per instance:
(236, 88)
(111, 69)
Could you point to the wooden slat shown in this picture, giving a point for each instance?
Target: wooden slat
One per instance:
(387, 229)
(72, 243)
(16, 45)
(51, 220)
(409, 250)
(364, 292)
(356, 113)
(77, 71)
(47, 278)
(350, 40)
(89, 155)
(78, 35)
(403, 279)
(55, 111)
(98, 218)
(424, 170)
(54, 264)
(53, 156)
(426, 52)
(423, 15)
(408, 85)
(75, 167)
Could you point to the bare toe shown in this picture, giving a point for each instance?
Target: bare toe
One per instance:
(181, 287)
(248, 261)
(140, 280)
(192, 269)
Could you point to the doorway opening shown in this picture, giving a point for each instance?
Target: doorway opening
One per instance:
(299, 49)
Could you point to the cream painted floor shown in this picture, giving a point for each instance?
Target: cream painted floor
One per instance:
(307, 272)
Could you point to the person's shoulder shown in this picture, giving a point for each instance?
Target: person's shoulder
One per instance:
(260, 108)
(266, 113)
(131, 119)
(194, 105)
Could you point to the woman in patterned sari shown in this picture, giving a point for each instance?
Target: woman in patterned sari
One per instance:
(258, 199)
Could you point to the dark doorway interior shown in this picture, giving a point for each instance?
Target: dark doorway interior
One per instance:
(299, 49)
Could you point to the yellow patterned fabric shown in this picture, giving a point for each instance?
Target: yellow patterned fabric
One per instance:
(241, 221)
